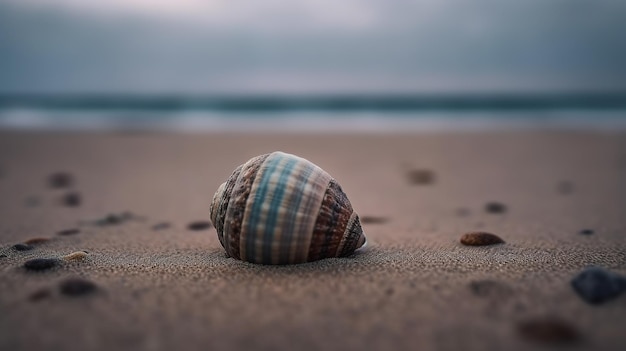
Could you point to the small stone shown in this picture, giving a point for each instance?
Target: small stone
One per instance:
(421, 176)
(40, 294)
(72, 199)
(23, 247)
(72, 231)
(36, 241)
(199, 225)
(495, 207)
(597, 285)
(565, 188)
(60, 180)
(586, 232)
(549, 330)
(462, 212)
(77, 287)
(480, 239)
(75, 256)
(41, 264)
(113, 219)
(373, 220)
(490, 288)
(161, 226)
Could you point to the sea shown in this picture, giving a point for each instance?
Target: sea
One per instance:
(328, 114)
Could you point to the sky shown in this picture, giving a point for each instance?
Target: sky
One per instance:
(312, 46)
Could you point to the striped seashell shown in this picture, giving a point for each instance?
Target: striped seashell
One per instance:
(279, 209)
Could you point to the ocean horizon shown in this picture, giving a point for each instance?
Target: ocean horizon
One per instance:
(316, 113)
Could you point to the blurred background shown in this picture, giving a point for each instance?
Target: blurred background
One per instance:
(302, 64)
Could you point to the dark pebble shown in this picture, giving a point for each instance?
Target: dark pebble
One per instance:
(72, 199)
(115, 219)
(549, 330)
(60, 180)
(65, 232)
(495, 207)
(597, 285)
(161, 226)
(373, 220)
(77, 287)
(199, 225)
(40, 264)
(40, 294)
(480, 239)
(586, 232)
(565, 188)
(421, 176)
(23, 247)
(36, 241)
(462, 212)
(490, 288)
(111, 219)
(3, 256)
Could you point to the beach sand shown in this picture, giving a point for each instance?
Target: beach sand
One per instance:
(414, 287)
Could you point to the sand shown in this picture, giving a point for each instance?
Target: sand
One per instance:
(161, 286)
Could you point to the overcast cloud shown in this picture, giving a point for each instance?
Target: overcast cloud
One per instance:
(311, 46)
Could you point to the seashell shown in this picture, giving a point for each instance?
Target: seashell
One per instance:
(279, 208)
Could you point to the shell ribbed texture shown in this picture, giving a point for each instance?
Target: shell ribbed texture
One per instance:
(279, 208)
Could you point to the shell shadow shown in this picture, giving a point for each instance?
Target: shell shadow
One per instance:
(330, 266)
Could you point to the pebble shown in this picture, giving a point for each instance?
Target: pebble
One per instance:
(373, 220)
(114, 219)
(75, 256)
(41, 264)
(495, 207)
(40, 294)
(36, 241)
(161, 226)
(72, 199)
(490, 288)
(586, 232)
(421, 176)
(462, 212)
(199, 225)
(77, 287)
(23, 247)
(71, 231)
(60, 180)
(565, 188)
(597, 285)
(480, 239)
(549, 330)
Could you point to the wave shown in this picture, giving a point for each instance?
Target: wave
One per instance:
(191, 121)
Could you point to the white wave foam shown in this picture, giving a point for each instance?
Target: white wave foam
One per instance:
(309, 121)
